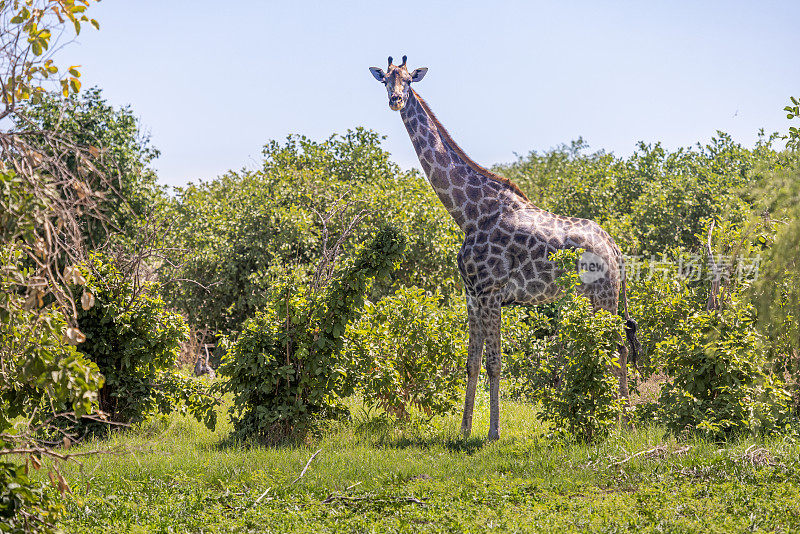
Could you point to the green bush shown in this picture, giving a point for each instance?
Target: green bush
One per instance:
(718, 384)
(235, 236)
(285, 369)
(658, 304)
(41, 374)
(663, 291)
(243, 230)
(408, 351)
(18, 493)
(777, 291)
(584, 402)
(134, 341)
(567, 360)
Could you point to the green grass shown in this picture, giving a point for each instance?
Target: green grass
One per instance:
(179, 477)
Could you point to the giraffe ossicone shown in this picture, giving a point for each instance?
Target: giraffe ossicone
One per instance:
(507, 241)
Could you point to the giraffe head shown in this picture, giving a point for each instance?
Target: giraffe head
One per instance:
(398, 82)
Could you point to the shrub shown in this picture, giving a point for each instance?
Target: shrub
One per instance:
(584, 402)
(285, 370)
(41, 374)
(658, 304)
(571, 372)
(241, 230)
(718, 385)
(134, 341)
(777, 292)
(408, 351)
(18, 493)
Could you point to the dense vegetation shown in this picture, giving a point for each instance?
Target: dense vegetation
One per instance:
(326, 281)
(664, 208)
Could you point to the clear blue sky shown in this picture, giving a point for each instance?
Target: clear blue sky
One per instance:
(214, 81)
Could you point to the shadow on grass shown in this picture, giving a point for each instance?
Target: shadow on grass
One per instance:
(467, 446)
(381, 431)
(375, 431)
(234, 443)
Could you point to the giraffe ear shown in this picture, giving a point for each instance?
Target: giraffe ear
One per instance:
(378, 73)
(418, 74)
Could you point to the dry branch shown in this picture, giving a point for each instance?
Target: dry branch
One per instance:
(656, 452)
(303, 472)
(758, 457)
(328, 254)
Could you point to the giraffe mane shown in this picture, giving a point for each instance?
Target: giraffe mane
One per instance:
(445, 135)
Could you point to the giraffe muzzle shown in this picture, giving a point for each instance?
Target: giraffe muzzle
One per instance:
(395, 103)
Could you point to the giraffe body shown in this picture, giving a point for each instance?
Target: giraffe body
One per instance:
(507, 240)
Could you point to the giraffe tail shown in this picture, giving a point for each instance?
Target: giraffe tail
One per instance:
(630, 327)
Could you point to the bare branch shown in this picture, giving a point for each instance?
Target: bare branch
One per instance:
(303, 472)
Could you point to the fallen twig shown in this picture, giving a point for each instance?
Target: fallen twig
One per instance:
(632, 456)
(261, 496)
(655, 452)
(303, 472)
(758, 457)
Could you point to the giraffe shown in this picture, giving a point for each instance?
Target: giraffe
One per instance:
(504, 258)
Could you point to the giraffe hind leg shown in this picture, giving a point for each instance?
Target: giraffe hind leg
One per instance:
(490, 316)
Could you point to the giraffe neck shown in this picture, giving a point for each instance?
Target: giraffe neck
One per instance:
(467, 190)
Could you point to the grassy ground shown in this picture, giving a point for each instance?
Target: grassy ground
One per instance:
(372, 477)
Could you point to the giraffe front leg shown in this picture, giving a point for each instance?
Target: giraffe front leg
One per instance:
(490, 316)
(473, 365)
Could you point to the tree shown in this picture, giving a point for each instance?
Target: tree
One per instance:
(54, 187)
(27, 59)
(235, 236)
(116, 137)
(41, 373)
(777, 293)
(286, 370)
